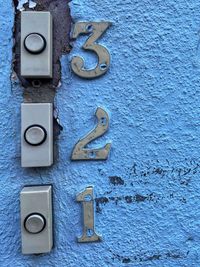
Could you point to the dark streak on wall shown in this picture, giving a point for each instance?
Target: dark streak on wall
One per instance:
(154, 168)
(150, 256)
(116, 180)
(181, 174)
(127, 199)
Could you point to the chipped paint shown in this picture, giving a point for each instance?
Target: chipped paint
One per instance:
(21, 3)
(149, 256)
(116, 180)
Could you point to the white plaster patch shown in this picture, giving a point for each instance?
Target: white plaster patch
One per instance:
(21, 3)
(59, 84)
(32, 4)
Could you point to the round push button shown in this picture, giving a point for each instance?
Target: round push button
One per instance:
(34, 223)
(35, 43)
(35, 135)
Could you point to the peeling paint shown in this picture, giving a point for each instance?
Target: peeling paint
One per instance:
(116, 180)
(149, 256)
(32, 4)
(21, 3)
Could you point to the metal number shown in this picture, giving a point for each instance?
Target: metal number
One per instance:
(87, 199)
(96, 30)
(82, 153)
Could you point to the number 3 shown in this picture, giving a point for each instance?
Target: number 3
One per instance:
(96, 30)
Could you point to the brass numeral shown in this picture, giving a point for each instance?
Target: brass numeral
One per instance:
(80, 152)
(87, 199)
(96, 30)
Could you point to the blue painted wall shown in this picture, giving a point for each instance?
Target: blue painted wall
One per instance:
(148, 191)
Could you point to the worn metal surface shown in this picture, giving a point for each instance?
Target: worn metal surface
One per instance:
(80, 152)
(95, 30)
(86, 197)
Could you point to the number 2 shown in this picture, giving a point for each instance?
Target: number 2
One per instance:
(80, 152)
(96, 30)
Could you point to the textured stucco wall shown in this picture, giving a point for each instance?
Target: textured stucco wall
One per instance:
(148, 191)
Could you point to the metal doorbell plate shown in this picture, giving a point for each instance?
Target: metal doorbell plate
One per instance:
(36, 44)
(36, 219)
(36, 134)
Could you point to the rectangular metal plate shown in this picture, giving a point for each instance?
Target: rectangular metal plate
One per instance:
(36, 199)
(37, 114)
(36, 65)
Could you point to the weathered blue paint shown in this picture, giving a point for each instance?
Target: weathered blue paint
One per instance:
(147, 193)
